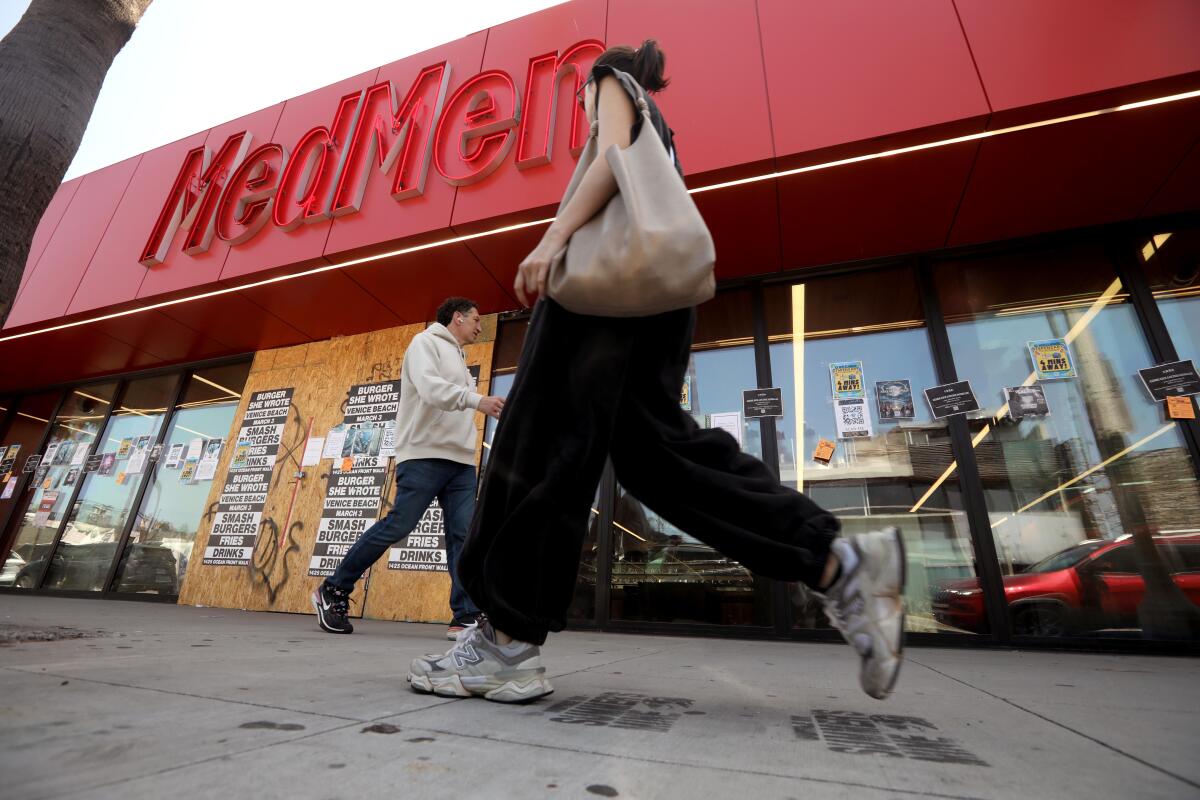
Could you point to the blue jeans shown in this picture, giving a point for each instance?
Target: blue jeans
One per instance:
(418, 482)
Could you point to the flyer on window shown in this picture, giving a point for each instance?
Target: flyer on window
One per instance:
(853, 421)
(846, 379)
(107, 462)
(1051, 359)
(894, 399)
(1026, 401)
(175, 456)
(124, 448)
(137, 462)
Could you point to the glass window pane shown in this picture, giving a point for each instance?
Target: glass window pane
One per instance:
(499, 387)
(899, 473)
(1173, 268)
(71, 437)
(19, 442)
(89, 540)
(155, 559)
(659, 572)
(1101, 470)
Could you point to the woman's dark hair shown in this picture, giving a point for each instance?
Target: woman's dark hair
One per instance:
(645, 64)
(454, 305)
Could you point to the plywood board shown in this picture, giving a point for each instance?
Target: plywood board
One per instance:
(320, 374)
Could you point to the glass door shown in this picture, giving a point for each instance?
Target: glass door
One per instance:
(154, 559)
(72, 435)
(88, 545)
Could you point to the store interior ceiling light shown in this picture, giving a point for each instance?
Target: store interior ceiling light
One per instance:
(698, 190)
(215, 385)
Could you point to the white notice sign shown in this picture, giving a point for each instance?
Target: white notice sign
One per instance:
(853, 419)
(312, 451)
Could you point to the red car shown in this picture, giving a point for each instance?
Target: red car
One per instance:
(1095, 584)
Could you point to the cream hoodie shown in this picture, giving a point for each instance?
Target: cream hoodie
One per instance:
(437, 400)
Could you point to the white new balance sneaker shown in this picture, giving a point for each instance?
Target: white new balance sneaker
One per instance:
(478, 667)
(866, 603)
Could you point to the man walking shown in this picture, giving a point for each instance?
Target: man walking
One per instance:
(435, 457)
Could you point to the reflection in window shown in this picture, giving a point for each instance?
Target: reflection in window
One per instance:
(1172, 264)
(71, 438)
(1103, 463)
(890, 474)
(88, 545)
(172, 509)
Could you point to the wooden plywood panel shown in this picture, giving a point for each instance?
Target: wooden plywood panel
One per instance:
(277, 578)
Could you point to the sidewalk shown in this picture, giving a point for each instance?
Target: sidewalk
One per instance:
(161, 701)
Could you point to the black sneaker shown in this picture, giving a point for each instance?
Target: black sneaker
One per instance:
(332, 605)
(459, 624)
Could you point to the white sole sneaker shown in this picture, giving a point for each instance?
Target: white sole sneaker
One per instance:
(510, 691)
(871, 607)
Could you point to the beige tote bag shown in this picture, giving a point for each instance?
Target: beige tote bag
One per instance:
(648, 250)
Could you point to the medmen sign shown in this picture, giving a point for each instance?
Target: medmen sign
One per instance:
(236, 191)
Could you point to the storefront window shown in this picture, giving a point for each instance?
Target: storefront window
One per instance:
(91, 535)
(863, 337)
(1172, 263)
(172, 508)
(660, 572)
(1090, 490)
(31, 416)
(71, 438)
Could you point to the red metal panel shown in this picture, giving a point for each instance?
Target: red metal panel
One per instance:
(509, 48)
(114, 275)
(182, 271)
(49, 291)
(1033, 51)
(302, 247)
(744, 221)
(413, 286)
(46, 227)
(717, 100)
(383, 219)
(235, 322)
(161, 337)
(849, 71)
(1179, 193)
(71, 354)
(323, 305)
(898, 204)
(1086, 172)
(500, 256)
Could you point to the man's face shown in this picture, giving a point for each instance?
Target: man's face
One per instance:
(466, 326)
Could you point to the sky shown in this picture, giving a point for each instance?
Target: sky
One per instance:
(193, 64)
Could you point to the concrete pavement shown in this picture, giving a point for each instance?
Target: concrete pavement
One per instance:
(161, 701)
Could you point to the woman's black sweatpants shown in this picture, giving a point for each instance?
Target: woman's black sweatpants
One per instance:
(588, 388)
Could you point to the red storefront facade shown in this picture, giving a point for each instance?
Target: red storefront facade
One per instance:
(821, 139)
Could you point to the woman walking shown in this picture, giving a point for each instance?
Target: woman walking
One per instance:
(589, 388)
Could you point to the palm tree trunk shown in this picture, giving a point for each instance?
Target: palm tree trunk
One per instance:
(51, 67)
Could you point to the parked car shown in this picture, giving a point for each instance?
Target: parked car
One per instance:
(1095, 584)
(148, 568)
